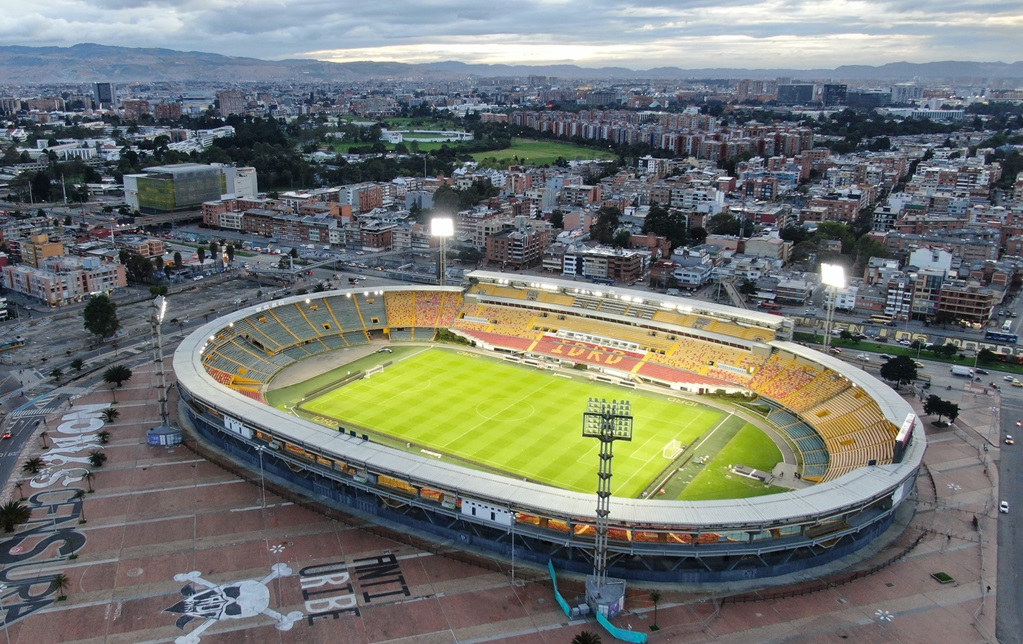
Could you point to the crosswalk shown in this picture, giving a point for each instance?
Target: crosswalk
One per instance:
(30, 413)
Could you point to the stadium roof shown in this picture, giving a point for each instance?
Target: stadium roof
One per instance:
(808, 504)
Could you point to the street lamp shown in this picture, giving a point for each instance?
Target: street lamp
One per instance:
(442, 227)
(832, 275)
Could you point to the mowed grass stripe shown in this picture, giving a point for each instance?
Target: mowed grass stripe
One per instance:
(521, 420)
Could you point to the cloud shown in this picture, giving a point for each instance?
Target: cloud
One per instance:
(640, 34)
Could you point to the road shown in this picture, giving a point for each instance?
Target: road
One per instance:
(1009, 615)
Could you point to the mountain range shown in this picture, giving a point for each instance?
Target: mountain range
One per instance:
(91, 62)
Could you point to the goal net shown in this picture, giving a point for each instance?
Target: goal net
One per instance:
(372, 371)
(672, 449)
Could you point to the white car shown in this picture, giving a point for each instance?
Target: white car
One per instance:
(1003, 507)
(1008, 378)
(864, 357)
(1009, 440)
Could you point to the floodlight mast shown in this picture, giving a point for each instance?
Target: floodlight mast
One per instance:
(442, 228)
(832, 275)
(608, 421)
(158, 313)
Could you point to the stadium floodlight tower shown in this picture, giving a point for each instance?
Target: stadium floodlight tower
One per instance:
(607, 421)
(832, 275)
(442, 228)
(163, 434)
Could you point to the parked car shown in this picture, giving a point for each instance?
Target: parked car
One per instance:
(906, 343)
(1009, 440)
(1003, 507)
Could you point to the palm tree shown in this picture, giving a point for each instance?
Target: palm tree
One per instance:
(14, 513)
(586, 637)
(104, 436)
(68, 546)
(655, 597)
(116, 374)
(97, 458)
(110, 414)
(63, 582)
(78, 496)
(88, 479)
(42, 436)
(33, 465)
(77, 364)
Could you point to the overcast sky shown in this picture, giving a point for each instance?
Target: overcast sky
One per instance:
(640, 34)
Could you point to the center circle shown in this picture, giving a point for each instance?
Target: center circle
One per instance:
(503, 413)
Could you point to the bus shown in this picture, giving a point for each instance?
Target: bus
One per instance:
(1001, 336)
(886, 320)
(770, 306)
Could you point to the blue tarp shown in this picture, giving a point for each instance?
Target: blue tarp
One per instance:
(557, 594)
(619, 633)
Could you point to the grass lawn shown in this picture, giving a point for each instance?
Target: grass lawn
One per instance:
(515, 419)
(748, 446)
(539, 152)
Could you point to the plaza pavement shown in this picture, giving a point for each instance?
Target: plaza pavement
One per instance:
(176, 548)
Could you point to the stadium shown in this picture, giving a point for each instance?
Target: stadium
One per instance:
(457, 411)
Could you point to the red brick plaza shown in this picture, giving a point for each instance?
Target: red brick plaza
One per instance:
(175, 547)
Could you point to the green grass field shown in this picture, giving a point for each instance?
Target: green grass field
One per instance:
(520, 420)
(538, 152)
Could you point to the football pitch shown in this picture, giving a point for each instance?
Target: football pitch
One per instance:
(519, 420)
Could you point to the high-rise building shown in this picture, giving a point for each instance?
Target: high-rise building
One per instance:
(105, 95)
(167, 110)
(180, 186)
(231, 102)
(135, 109)
(832, 94)
(795, 94)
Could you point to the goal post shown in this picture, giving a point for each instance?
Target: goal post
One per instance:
(372, 371)
(672, 449)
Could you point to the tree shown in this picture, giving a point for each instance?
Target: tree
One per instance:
(901, 370)
(78, 496)
(110, 414)
(103, 436)
(14, 513)
(40, 186)
(100, 316)
(56, 373)
(987, 356)
(655, 597)
(117, 374)
(293, 253)
(177, 259)
(77, 364)
(33, 465)
(62, 582)
(935, 406)
(586, 637)
(201, 254)
(42, 438)
(229, 249)
(558, 219)
(97, 458)
(88, 478)
(605, 226)
(21, 492)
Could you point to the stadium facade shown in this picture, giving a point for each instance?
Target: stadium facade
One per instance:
(855, 437)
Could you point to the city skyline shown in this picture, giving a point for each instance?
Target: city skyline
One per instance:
(640, 35)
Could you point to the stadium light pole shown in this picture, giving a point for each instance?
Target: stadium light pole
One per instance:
(607, 421)
(832, 275)
(159, 311)
(442, 228)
